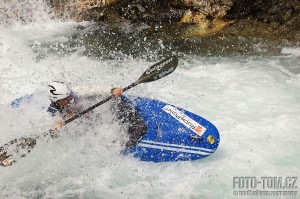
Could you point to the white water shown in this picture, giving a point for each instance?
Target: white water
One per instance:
(254, 102)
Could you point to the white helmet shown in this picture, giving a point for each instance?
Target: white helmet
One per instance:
(58, 91)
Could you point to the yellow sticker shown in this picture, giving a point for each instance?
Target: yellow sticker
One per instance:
(210, 139)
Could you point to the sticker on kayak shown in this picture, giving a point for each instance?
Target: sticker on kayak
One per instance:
(184, 119)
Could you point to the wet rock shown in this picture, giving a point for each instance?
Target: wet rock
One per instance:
(91, 10)
(297, 7)
(215, 8)
(293, 24)
(241, 9)
(274, 10)
(193, 17)
(201, 24)
(205, 28)
(287, 15)
(280, 16)
(200, 17)
(297, 36)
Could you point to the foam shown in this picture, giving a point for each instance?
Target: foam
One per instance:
(295, 51)
(254, 104)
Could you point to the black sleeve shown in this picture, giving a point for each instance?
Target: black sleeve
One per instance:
(127, 115)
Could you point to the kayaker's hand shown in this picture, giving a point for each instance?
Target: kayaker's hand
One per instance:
(59, 123)
(117, 92)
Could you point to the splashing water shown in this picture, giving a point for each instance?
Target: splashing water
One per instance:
(24, 11)
(254, 101)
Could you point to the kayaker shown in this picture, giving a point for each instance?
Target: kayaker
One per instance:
(65, 104)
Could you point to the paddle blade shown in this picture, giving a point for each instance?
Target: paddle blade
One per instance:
(15, 149)
(159, 70)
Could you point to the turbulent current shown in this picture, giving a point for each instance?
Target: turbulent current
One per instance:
(253, 100)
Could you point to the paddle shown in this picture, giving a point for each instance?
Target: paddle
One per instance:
(18, 148)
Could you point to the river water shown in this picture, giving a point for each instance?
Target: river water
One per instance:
(252, 96)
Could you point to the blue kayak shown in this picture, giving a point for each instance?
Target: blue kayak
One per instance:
(174, 134)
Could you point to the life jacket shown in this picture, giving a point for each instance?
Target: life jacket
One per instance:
(74, 107)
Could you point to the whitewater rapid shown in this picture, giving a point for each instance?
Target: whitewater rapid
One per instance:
(254, 102)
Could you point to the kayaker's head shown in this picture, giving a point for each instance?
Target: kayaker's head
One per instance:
(60, 93)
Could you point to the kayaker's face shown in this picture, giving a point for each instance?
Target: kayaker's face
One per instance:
(65, 102)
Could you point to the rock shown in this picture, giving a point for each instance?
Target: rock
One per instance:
(199, 17)
(214, 8)
(193, 17)
(206, 27)
(293, 24)
(274, 10)
(297, 36)
(167, 16)
(297, 7)
(287, 15)
(240, 9)
(89, 9)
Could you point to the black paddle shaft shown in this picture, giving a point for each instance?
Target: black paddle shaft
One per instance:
(155, 72)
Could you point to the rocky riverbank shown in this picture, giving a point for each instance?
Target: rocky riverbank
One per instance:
(271, 19)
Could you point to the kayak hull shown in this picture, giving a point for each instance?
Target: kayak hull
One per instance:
(173, 134)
